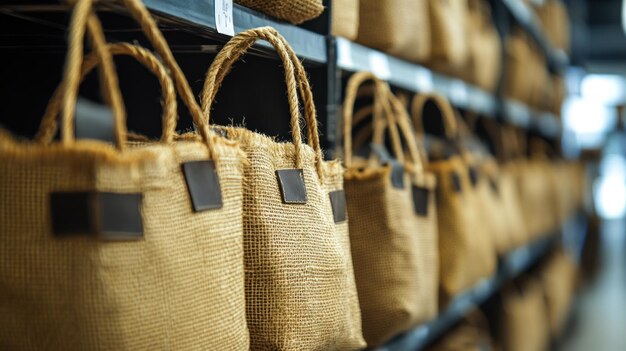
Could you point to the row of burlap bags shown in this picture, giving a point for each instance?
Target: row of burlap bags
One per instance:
(554, 20)
(426, 224)
(218, 239)
(534, 310)
(550, 191)
(456, 37)
(526, 77)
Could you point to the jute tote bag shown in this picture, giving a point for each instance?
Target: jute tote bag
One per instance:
(484, 51)
(524, 319)
(103, 246)
(392, 226)
(345, 18)
(466, 251)
(518, 80)
(399, 27)
(300, 289)
(294, 11)
(447, 32)
(558, 278)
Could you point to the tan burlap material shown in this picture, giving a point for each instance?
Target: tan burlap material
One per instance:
(448, 32)
(466, 250)
(398, 27)
(300, 289)
(484, 47)
(524, 320)
(393, 248)
(345, 18)
(179, 287)
(471, 334)
(558, 278)
(519, 67)
(294, 11)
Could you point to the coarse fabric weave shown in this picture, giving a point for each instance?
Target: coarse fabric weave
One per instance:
(466, 250)
(345, 18)
(394, 249)
(300, 289)
(179, 287)
(448, 32)
(398, 27)
(294, 11)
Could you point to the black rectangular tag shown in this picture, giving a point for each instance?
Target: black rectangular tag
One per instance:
(203, 185)
(338, 203)
(420, 200)
(456, 182)
(109, 216)
(119, 216)
(473, 175)
(397, 169)
(292, 187)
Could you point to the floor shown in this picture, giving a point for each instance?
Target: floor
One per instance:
(600, 312)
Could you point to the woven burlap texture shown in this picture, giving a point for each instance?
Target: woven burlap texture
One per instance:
(300, 289)
(294, 11)
(345, 18)
(399, 27)
(180, 287)
(393, 248)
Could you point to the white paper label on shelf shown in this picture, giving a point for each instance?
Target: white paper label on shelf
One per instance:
(224, 17)
(424, 79)
(379, 65)
(344, 54)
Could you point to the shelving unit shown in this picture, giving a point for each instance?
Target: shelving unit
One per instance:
(338, 54)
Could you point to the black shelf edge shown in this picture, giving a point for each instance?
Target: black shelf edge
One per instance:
(200, 15)
(509, 267)
(557, 59)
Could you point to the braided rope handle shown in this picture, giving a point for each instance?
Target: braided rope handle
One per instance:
(295, 78)
(82, 17)
(352, 89)
(447, 113)
(144, 57)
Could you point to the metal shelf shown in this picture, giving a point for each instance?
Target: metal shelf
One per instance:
(557, 59)
(200, 15)
(354, 57)
(509, 267)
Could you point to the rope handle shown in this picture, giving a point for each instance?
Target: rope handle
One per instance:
(446, 110)
(352, 88)
(295, 78)
(82, 17)
(143, 56)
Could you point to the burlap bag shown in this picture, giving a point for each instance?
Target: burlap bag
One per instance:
(558, 278)
(555, 22)
(294, 11)
(524, 321)
(300, 289)
(447, 32)
(175, 284)
(345, 18)
(398, 27)
(484, 47)
(519, 68)
(394, 242)
(466, 251)
(471, 334)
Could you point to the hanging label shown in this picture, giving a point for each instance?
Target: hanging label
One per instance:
(224, 17)
(379, 65)
(344, 54)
